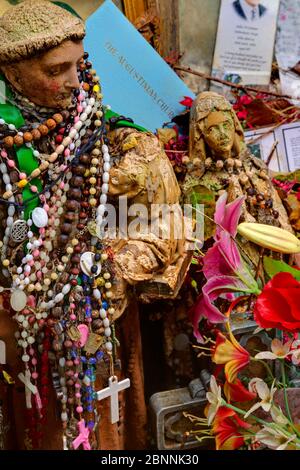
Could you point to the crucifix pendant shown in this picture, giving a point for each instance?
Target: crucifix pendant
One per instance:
(112, 391)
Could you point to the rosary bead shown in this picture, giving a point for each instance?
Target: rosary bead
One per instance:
(36, 135)
(60, 149)
(105, 177)
(75, 193)
(8, 142)
(103, 313)
(22, 183)
(63, 239)
(58, 139)
(43, 129)
(94, 269)
(103, 199)
(72, 205)
(104, 188)
(44, 166)
(219, 164)
(58, 118)
(75, 259)
(51, 124)
(79, 170)
(27, 137)
(18, 140)
(85, 159)
(53, 157)
(269, 203)
(36, 173)
(77, 181)
(70, 217)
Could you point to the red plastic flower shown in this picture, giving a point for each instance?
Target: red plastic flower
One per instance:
(278, 306)
(245, 99)
(188, 102)
(230, 353)
(242, 115)
(228, 428)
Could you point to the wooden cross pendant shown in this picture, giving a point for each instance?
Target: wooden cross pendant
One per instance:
(112, 391)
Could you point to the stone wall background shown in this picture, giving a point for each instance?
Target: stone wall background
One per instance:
(198, 21)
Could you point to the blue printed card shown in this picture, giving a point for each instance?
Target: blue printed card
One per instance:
(136, 81)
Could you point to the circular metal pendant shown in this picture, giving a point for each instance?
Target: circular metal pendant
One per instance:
(19, 231)
(18, 300)
(86, 263)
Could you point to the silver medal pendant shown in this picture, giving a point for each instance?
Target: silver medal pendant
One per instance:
(19, 231)
(39, 217)
(87, 260)
(18, 300)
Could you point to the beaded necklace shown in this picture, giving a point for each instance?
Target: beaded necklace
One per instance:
(60, 275)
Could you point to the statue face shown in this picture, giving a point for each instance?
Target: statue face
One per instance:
(219, 132)
(48, 79)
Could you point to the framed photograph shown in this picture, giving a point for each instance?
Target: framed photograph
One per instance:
(241, 45)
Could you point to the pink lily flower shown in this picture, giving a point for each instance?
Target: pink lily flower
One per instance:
(227, 215)
(223, 267)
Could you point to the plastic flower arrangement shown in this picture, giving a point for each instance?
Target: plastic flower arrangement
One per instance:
(245, 411)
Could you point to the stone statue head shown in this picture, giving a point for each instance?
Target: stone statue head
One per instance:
(40, 51)
(215, 130)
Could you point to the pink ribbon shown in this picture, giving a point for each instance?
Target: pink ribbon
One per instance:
(83, 437)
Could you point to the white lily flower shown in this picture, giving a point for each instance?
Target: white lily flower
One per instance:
(279, 350)
(265, 394)
(214, 397)
(274, 438)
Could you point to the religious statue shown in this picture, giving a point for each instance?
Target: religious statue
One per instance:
(69, 292)
(221, 161)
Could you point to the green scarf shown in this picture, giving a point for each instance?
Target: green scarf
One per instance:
(25, 159)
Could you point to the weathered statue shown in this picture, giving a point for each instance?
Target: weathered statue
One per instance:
(63, 285)
(221, 161)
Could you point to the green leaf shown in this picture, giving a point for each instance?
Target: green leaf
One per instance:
(273, 266)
